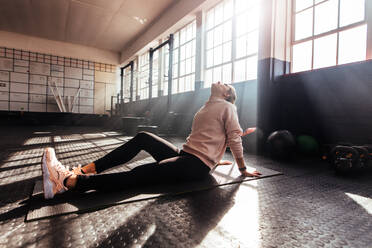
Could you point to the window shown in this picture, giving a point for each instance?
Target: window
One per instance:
(126, 82)
(231, 50)
(328, 33)
(183, 59)
(155, 74)
(164, 84)
(143, 80)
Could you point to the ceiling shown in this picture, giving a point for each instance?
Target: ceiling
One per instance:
(103, 24)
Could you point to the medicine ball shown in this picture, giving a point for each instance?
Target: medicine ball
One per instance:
(307, 145)
(281, 144)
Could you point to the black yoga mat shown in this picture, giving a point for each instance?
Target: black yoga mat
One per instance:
(72, 202)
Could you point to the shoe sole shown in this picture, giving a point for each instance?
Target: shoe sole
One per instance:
(47, 184)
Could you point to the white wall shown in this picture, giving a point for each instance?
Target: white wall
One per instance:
(58, 48)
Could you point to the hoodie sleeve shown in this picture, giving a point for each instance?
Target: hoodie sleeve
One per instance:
(233, 131)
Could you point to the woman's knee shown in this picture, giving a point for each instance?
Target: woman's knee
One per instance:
(143, 135)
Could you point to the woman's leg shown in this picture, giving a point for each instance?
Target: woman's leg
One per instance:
(176, 169)
(157, 147)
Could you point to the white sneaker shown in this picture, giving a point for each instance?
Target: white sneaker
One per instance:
(54, 173)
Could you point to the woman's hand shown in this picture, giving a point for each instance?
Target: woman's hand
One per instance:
(225, 162)
(248, 131)
(250, 174)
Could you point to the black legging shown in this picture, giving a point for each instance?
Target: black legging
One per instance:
(171, 165)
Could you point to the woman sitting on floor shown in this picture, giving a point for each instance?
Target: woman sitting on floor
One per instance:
(215, 126)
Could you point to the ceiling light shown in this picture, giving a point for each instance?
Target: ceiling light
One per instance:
(140, 20)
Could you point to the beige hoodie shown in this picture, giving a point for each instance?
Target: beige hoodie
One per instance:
(215, 127)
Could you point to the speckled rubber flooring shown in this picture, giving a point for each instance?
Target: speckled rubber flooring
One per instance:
(307, 206)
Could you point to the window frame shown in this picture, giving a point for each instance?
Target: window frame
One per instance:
(233, 58)
(314, 37)
(179, 60)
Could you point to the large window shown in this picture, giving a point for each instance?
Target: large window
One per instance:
(232, 41)
(328, 33)
(143, 78)
(164, 83)
(126, 82)
(184, 59)
(155, 74)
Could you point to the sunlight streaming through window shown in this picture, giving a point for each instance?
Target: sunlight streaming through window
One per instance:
(353, 45)
(325, 51)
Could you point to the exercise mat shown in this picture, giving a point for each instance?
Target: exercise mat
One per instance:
(74, 202)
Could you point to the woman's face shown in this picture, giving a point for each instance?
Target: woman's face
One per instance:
(219, 89)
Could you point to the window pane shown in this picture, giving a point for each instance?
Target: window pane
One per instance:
(326, 16)
(351, 11)
(210, 19)
(302, 56)
(304, 24)
(174, 86)
(251, 68)
(193, 25)
(183, 52)
(188, 50)
(241, 24)
(218, 14)
(154, 90)
(181, 85)
(183, 36)
(175, 71)
(241, 5)
(325, 51)
(241, 46)
(210, 58)
(226, 73)
(227, 31)
(189, 32)
(218, 55)
(188, 83)
(176, 39)
(208, 78)
(218, 35)
(352, 45)
(217, 74)
(182, 68)
(227, 52)
(252, 21)
(228, 9)
(302, 4)
(188, 66)
(252, 42)
(165, 88)
(210, 35)
(239, 70)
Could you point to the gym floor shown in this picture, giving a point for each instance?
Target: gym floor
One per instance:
(307, 206)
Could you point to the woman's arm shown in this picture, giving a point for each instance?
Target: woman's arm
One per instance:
(234, 133)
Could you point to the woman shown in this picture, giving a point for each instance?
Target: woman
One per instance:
(214, 127)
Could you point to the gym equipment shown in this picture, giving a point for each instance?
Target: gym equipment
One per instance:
(368, 164)
(281, 144)
(307, 145)
(130, 124)
(344, 159)
(347, 158)
(364, 156)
